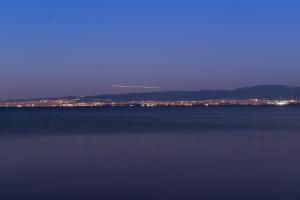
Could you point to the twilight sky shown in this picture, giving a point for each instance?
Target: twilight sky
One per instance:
(82, 47)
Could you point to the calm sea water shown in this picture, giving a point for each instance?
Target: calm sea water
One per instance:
(150, 153)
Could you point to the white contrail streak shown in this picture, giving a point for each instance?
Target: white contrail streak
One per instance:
(135, 86)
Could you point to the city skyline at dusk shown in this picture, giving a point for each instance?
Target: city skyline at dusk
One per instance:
(149, 99)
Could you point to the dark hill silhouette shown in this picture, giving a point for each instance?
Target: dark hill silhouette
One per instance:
(260, 91)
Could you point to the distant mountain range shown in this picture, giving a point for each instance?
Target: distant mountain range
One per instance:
(260, 91)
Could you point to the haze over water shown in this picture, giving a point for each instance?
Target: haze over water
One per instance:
(150, 153)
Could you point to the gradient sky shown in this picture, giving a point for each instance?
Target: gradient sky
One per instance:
(82, 47)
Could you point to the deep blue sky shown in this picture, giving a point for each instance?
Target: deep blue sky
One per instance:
(63, 47)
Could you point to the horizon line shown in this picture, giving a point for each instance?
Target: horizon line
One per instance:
(130, 86)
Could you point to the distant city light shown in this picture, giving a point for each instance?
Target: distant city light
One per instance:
(80, 102)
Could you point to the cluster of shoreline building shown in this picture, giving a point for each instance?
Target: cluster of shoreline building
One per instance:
(145, 103)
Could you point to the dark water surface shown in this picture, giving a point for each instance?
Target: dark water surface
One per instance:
(150, 153)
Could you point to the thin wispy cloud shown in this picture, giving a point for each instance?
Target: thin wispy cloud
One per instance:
(135, 86)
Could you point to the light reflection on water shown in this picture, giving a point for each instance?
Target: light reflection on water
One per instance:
(185, 164)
